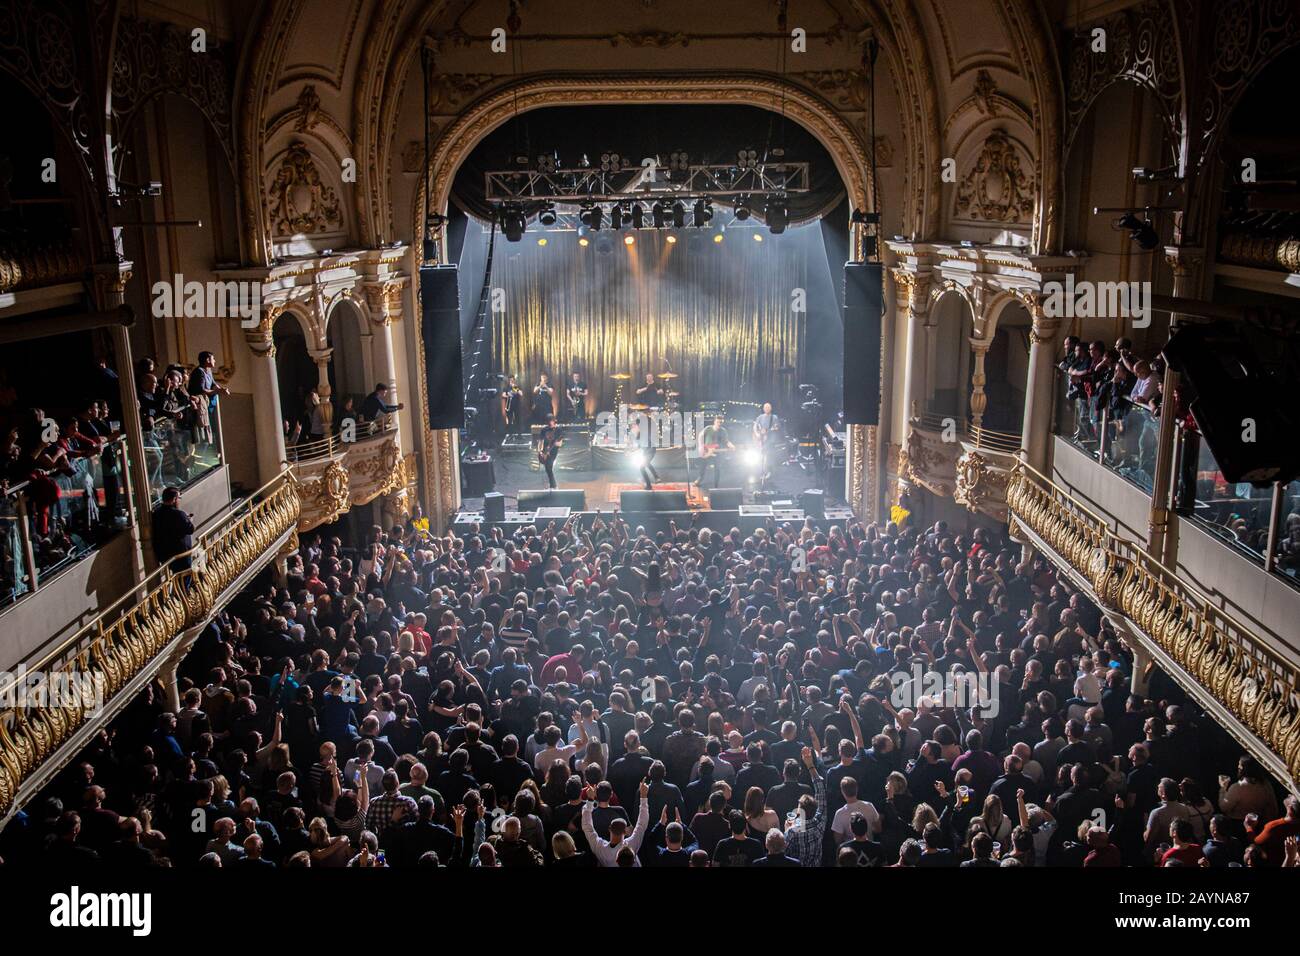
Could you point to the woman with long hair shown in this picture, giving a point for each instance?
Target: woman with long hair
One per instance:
(758, 814)
(996, 823)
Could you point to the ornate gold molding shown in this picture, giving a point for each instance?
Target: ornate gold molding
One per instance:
(107, 654)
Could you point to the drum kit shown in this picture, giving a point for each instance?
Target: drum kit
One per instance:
(666, 380)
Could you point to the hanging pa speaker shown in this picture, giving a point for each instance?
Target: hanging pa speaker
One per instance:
(864, 299)
(440, 329)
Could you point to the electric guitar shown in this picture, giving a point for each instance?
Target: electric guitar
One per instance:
(577, 395)
(550, 446)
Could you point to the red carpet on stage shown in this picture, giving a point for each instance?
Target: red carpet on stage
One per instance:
(616, 489)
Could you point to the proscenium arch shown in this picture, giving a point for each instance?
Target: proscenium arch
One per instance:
(846, 148)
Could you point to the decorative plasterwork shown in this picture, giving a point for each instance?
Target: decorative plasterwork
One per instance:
(982, 478)
(323, 498)
(1141, 47)
(997, 188)
(301, 202)
(308, 109)
(151, 58)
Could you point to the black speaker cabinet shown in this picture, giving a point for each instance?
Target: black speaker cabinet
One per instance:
(653, 501)
(725, 499)
(494, 506)
(813, 503)
(573, 498)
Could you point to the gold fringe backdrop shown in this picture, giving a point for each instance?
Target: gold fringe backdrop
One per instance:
(721, 315)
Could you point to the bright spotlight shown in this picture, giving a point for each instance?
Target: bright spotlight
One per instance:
(777, 215)
(670, 239)
(758, 237)
(638, 459)
(753, 457)
(541, 241)
(717, 237)
(629, 239)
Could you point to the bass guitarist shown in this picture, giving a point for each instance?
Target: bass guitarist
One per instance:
(713, 439)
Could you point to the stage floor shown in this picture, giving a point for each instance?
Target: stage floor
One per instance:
(515, 472)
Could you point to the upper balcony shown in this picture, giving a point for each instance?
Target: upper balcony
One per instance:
(1238, 674)
(338, 475)
(956, 459)
(86, 678)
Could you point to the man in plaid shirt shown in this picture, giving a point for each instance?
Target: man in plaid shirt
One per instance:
(382, 808)
(804, 837)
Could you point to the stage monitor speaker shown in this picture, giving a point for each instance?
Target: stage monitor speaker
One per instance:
(653, 501)
(1237, 382)
(494, 506)
(813, 503)
(725, 499)
(440, 327)
(864, 300)
(573, 498)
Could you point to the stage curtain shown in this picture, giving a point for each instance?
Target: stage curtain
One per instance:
(721, 315)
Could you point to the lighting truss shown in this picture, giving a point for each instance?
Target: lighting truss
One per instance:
(726, 181)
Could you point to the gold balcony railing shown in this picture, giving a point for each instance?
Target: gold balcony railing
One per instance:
(1224, 658)
(93, 666)
(339, 475)
(332, 445)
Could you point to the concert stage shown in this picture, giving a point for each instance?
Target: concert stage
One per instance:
(603, 473)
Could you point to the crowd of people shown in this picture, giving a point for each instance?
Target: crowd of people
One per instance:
(64, 461)
(593, 695)
(1112, 406)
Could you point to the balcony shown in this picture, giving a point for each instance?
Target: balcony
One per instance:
(954, 459)
(102, 666)
(335, 476)
(1243, 679)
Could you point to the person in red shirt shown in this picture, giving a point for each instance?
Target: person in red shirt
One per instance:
(1272, 839)
(1184, 850)
(1102, 852)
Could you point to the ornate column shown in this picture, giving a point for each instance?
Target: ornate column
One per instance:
(914, 296)
(267, 414)
(322, 359)
(1036, 428)
(385, 305)
(110, 291)
(978, 400)
(1186, 265)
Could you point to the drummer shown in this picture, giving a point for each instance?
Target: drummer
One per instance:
(650, 394)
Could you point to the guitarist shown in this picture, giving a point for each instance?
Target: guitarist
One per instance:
(713, 439)
(765, 427)
(549, 440)
(576, 393)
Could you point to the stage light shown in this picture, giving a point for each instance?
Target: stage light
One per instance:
(670, 239)
(610, 162)
(547, 216)
(753, 458)
(703, 213)
(638, 216)
(591, 216)
(742, 208)
(717, 237)
(584, 241)
(1140, 230)
(777, 215)
(584, 235)
(513, 222)
(679, 214)
(541, 240)
(658, 215)
(615, 217)
(638, 459)
(629, 239)
(548, 162)
(758, 237)
(747, 158)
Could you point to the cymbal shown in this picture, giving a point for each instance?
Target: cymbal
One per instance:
(673, 394)
(621, 377)
(666, 375)
(637, 408)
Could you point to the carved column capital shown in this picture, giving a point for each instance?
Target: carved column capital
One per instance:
(384, 300)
